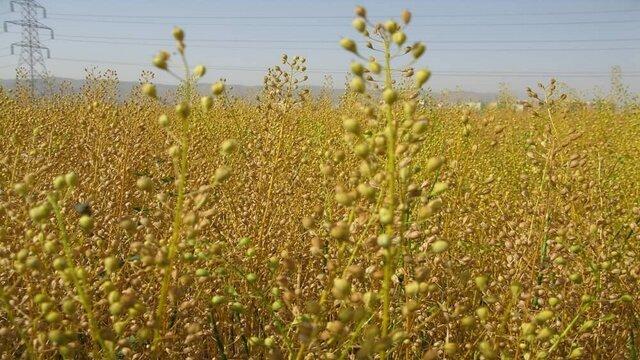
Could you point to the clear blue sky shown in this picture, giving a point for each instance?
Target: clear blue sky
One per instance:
(473, 45)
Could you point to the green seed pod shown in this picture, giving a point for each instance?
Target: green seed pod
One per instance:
(434, 164)
(68, 306)
(199, 71)
(71, 179)
(269, 342)
(222, 173)
(59, 263)
(422, 76)
(86, 223)
(348, 45)
(178, 34)
(626, 298)
(399, 38)
(116, 308)
(149, 90)
(40, 298)
(544, 333)
(357, 85)
(412, 288)
(419, 127)
(384, 241)
(482, 282)
(57, 337)
(375, 67)
(53, 317)
(252, 278)
(391, 26)
(276, 305)
(482, 313)
(450, 348)
(357, 69)
(527, 328)
(439, 188)
(389, 96)
(183, 109)
(439, 246)
(206, 102)
(386, 216)
(576, 353)
(362, 150)
(409, 108)
(341, 288)
(366, 191)
(487, 350)
(59, 182)
(39, 213)
(553, 301)
(119, 327)
(202, 273)
(351, 125)
(20, 189)
(340, 231)
(575, 278)
(587, 325)
(467, 321)
(160, 63)
(217, 300)
(144, 183)
(359, 24)
(228, 146)
(163, 120)
(217, 88)
(237, 307)
(417, 50)
(544, 316)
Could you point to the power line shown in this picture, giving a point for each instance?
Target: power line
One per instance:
(341, 50)
(622, 11)
(563, 23)
(519, 41)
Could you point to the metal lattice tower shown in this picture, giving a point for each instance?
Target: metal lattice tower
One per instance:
(31, 57)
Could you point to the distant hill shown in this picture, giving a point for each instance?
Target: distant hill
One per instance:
(250, 92)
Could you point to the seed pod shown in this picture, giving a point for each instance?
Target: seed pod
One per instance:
(482, 313)
(160, 63)
(439, 246)
(417, 50)
(351, 125)
(222, 173)
(228, 146)
(348, 45)
(386, 216)
(59, 183)
(86, 223)
(399, 37)
(391, 26)
(149, 90)
(422, 76)
(487, 350)
(178, 34)
(434, 163)
(357, 84)
(406, 16)
(390, 96)
(439, 188)
(361, 11)
(544, 316)
(71, 179)
(183, 109)
(375, 67)
(450, 348)
(359, 24)
(384, 241)
(206, 102)
(357, 68)
(217, 88)
(341, 288)
(482, 282)
(144, 183)
(199, 71)
(163, 120)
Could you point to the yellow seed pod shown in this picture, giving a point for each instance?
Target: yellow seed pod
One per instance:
(391, 26)
(389, 96)
(163, 120)
(217, 88)
(160, 62)
(399, 37)
(417, 50)
(199, 71)
(375, 67)
(439, 246)
(482, 313)
(434, 163)
(357, 84)
(481, 282)
(149, 90)
(359, 24)
(361, 11)
(206, 102)
(450, 348)
(144, 183)
(544, 316)
(357, 68)
(422, 76)
(341, 288)
(71, 179)
(178, 33)
(348, 45)
(183, 109)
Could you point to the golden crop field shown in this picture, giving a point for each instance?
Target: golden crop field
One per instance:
(290, 227)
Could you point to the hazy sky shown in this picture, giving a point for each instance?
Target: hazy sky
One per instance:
(472, 44)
